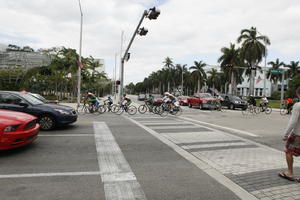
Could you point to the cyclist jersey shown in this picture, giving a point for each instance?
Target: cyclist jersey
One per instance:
(92, 99)
(110, 100)
(151, 100)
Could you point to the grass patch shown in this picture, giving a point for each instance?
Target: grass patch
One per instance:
(274, 103)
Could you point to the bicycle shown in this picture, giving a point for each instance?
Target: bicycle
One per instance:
(214, 105)
(131, 110)
(166, 108)
(285, 109)
(145, 107)
(265, 108)
(250, 109)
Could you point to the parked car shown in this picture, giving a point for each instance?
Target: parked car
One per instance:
(141, 97)
(17, 129)
(183, 100)
(49, 115)
(232, 102)
(201, 100)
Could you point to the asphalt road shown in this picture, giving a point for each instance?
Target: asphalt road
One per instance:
(118, 157)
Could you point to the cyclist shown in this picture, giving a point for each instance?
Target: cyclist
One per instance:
(264, 103)
(252, 102)
(126, 101)
(92, 99)
(109, 102)
(170, 100)
(290, 104)
(150, 102)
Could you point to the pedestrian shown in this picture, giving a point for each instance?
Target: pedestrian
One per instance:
(292, 138)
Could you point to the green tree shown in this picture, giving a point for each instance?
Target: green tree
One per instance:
(199, 73)
(274, 77)
(253, 49)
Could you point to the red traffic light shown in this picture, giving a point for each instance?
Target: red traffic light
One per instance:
(118, 82)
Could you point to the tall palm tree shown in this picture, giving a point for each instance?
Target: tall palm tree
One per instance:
(294, 69)
(230, 60)
(275, 77)
(213, 78)
(199, 73)
(253, 50)
(168, 65)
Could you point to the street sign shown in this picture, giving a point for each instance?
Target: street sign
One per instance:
(276, 71)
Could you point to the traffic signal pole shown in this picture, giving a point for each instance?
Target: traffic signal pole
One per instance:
(123, 58)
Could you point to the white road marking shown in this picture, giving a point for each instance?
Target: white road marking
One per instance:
(165, 123)
(65, 135)
(236, 189)
(119, 180)
(223, 128)
(48, 174)
(175, 127)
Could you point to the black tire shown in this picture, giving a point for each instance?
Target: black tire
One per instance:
(200, 106)
(268, 110)
(142, 109)
(47, 122)
(231, 107)
(190, 105)
(131, 110)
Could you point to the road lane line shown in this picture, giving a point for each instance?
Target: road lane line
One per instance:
(203, 165)
(48, 174)
(222, 128)
(119, 180)
(66, 135)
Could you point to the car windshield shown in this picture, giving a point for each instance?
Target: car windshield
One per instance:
(39, 97)
(31, 99)
(205, 95)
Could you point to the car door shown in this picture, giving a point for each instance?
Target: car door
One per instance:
(11, 102)
(226, 101)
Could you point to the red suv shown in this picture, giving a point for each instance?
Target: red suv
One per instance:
(17, 129)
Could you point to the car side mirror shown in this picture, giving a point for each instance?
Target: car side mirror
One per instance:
(24, 105)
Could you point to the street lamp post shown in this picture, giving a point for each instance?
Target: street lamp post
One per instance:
(79, 64)
(153, 13)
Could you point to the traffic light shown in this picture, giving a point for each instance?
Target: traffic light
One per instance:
(229, 65)
(127, 57)
(154, 12)
(143, 31)
(118, 82)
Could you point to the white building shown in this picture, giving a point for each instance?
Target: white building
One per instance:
(243, 88)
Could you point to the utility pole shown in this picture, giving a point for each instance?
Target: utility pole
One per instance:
(80, 64)
(282, 87)
(265, 76)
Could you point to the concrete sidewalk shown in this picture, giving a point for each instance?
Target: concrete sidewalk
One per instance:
(250, 165)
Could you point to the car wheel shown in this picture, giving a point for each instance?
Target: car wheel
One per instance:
(200, 106)
(231, 107)
(190, 105)
(47, 122)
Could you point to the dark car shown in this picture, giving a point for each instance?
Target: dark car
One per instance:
(232, 102)
(43, 99)
(49, 115)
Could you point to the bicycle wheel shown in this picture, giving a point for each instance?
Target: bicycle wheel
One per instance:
(113, 108)
(142, 109)
(131, 110)
(119, 110)
(177, 111)
(80, 110)
(246, 111)
(268, 110)
(283, 111)
(257, 110)
(101, 109)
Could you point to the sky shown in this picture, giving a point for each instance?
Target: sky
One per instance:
(186, 30)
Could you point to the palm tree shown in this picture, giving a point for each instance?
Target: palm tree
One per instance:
(213, 78)
(168, 64)
(199, 73)
(230, 60)
(253, 50)
(294, 69)
(275, 77)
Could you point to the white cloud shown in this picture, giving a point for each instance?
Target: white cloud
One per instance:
(184, 29)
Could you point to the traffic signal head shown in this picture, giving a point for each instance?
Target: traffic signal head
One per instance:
(154, 13)
(143, 31)
(118, 82)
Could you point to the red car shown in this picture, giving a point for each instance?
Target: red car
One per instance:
(17, 129)
(183, 100)
(201, 100)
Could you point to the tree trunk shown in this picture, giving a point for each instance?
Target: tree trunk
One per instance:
(252, 79)
(198, 88)
(168, 86)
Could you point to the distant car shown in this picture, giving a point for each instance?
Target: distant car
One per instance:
(232, 102)
(49, 115)
(201, 100)
(183, 100)
(157, 99)
(17, 129)
(141, 97)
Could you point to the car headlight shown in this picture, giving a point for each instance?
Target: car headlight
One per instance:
(62, 111)
(236, 102)
(11, 128)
